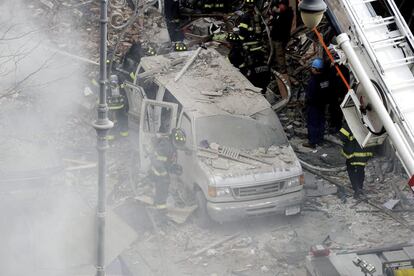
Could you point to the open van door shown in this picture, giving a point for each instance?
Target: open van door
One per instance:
(135, 95)
(157, 119)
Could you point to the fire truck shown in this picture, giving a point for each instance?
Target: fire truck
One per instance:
(379, 49)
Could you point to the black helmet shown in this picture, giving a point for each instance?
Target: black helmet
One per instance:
(250, 3)
(178, 137)
(151, 51)
(180, 46)
(233, 37)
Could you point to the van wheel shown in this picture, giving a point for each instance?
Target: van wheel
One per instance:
(202, 218)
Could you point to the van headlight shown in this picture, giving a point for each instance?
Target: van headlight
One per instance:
(295, 181)
(219, 191)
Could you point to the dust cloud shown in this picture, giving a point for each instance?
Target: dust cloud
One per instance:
(43, 220)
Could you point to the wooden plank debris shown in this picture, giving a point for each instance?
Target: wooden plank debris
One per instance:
(210, 246)
(188, 64)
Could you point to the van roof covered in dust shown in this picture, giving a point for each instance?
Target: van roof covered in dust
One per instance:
(210, 86)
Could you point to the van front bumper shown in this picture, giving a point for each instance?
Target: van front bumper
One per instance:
(228, 211)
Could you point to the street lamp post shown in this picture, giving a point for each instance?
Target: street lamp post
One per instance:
(102, 126)
(311, 12)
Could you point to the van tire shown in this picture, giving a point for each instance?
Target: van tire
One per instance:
(202, 218)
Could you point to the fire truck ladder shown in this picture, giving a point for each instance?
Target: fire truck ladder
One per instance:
(385, 48)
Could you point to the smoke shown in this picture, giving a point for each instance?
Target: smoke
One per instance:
(43, 221)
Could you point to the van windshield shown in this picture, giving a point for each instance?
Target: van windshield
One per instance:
(239, 132)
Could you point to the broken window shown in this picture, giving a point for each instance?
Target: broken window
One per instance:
(150, 88)
(168, 97)
(238, 132)
(157, 119)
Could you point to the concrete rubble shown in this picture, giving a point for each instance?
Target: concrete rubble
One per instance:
(257, 246)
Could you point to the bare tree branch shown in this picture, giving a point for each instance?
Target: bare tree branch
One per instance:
(13, 90)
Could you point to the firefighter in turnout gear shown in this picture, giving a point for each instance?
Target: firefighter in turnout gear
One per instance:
(118, 108)
(250, 28)
(235, 55)
(248, 53)
(117, 98)
(356, 160)
(172, 17)
(257, 71)
(163, 162)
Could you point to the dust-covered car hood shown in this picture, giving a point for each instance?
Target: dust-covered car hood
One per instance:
(278, 162)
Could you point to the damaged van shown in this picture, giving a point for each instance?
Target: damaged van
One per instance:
(238, 162)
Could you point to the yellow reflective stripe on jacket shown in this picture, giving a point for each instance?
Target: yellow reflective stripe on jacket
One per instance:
(116, 107)
(250, 43)
(161, 206)
(243, 25)
(362, 154)
(241, 37)
(160, 157)
(132, 75)
(358, 163)
(346, 155)
(344, 132)
(157, 173)
(256, 49)
(357, 154)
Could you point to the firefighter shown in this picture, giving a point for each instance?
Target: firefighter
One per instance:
(257, 70)
(130, 62)
(280, 33)
(172, 17)
(315, 100)
(180, 47)
(356, 160)
(163, 162)
(118, 109)
(250, 28)
(235, 55)
(117, 98)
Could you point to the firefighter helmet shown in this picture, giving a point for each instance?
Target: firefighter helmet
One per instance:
(151, 51)
(178, 137)
(233, 37)
(180, 46)
(250, 2)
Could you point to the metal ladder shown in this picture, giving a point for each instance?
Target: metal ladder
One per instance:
(389, 45)
(401, 35)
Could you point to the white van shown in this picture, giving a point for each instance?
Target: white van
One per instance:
(239, 162)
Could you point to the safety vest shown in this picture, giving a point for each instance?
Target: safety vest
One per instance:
(352, 151)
